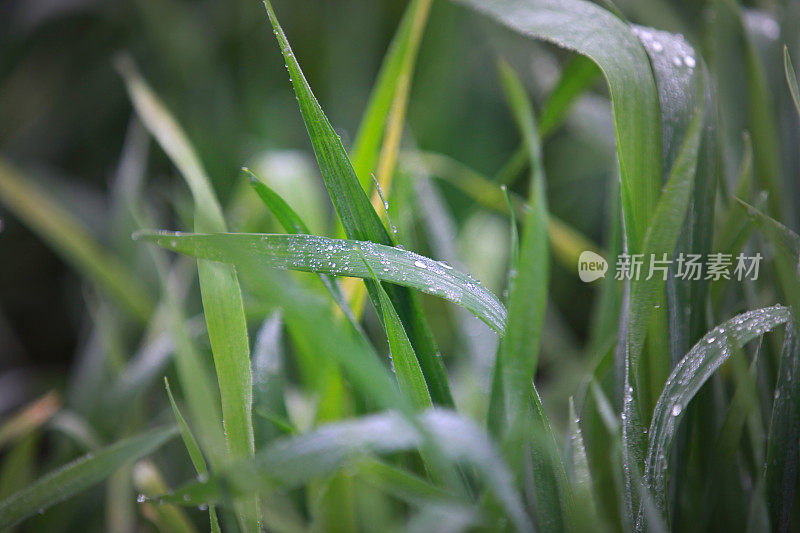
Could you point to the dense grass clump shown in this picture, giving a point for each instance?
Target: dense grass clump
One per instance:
(344, 369)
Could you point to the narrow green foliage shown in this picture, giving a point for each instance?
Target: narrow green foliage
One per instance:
(79, 475)
(219, 285)
(311, 253)
(358, 217)
(594, 32)
(783, 444)
(685, 381)
(392, 85)
(791, 78)
(404, 360)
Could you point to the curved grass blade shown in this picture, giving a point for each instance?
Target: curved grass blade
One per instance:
(359, 218)
(594, 32)
(68, 237)
(219, 285)
(312, 253)
(686, 380)
(292, 461)
(79, 475)
(791, 78)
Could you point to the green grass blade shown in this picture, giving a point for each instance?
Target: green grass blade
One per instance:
(783, 444)
(70, 239)
(661, 237)
(359, 218)
(311, 253)
(791, 78)
(219, 286)
(594, 32)
(580, 475)
(578, 75)
(404, 360)
(186, 434)
(290, 462)
(194, 450)
(79, 475)
(393, 84)
(685, 381)
(528, 280)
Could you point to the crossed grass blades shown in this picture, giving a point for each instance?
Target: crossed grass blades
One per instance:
(388, 446)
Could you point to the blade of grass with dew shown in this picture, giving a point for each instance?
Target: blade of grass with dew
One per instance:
(661, 237)
(391, 86)
(79, 475)
(782, 449)
(592, 31)
(290, 462)
(292, 223)
(686, 380)
(359, 218)
(528, 279)
(219, 286)
(70, 239)
(660, 240)
(194, 451)
(580, 475)
(518, 353)
(404, 361)
(312, 253)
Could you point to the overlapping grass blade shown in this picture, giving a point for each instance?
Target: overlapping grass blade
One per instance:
(783, 444)
(528, 280)
(311, 253)
(594, 32)
(392, 86)
(198, 461)
(359, 219)
(79, 475)
(219, 286)
(404, 360)
(685, 381)
(290, 462)
(69, 238)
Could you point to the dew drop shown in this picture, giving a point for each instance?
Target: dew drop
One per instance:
(420, 264)
(689, 61)
(676, 409)
(657, 46)
(677, 61)
(141, 498)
